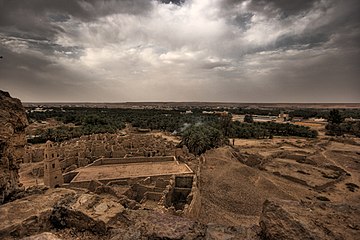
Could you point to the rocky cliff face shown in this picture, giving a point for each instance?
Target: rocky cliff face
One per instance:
(12, 140)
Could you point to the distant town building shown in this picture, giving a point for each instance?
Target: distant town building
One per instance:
(222, 113)
(297, 119)
(264, 118)
(208, 112)
(284, 115)
(317, 119)
(350, 119)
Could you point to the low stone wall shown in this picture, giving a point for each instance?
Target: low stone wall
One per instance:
(192, 210)
(118, 183)
(129, 181)
(109, 161)
(68, 177)
(80, 184)
(293, 179)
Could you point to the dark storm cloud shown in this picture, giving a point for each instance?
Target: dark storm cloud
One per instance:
(37, 18)
(177, 2)
(193, 50)
(285, 6)
(343, 17)
(33, 77)
(34, 25)
(48, 48)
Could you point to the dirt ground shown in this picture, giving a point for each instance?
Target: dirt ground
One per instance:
(233, 191)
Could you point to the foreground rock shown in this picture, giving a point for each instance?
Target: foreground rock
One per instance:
(12, 141)
(86, 212)
(148, 224)
(58, 209)
(30, 215)
(65, 213)
(309, 220)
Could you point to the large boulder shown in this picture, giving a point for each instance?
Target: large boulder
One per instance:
(13, 121)
(58, 208)
(309, 220)
(30, 215)
(86, 212)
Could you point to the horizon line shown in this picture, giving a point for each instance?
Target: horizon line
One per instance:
(218, 102)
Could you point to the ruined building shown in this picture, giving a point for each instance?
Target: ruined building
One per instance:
(82, 151)
(52, 168)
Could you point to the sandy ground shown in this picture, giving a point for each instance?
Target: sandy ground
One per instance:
(233, 193)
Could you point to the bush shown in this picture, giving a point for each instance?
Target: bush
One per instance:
(200, 138)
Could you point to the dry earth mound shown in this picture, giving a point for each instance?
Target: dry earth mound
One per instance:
(310, 220)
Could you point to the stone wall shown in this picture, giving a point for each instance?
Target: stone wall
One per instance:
(107, 161)
(13, 121)
(193, 207)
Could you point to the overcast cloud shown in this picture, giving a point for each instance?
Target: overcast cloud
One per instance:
(183, 50)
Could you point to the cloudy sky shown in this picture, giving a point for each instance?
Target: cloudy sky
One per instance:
(184, 50)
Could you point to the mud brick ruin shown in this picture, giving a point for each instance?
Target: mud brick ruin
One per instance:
(145, 168)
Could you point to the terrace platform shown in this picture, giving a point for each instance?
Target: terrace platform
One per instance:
(107, 170)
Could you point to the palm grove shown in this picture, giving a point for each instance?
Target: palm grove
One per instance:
(199, 132)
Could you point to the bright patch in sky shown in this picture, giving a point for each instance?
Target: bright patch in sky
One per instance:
(193, 50)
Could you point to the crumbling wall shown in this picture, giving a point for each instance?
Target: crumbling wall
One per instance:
(192, 209)
(13, 121)
(176, 194)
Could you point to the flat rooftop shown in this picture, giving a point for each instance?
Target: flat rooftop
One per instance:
(130, 170)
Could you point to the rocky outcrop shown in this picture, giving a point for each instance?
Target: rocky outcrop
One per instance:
(86, 212)
(309, 220)
(13, 121)
(89, 216)
(218, 232)
(30, 215)
(58, 208)
(148, 224)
